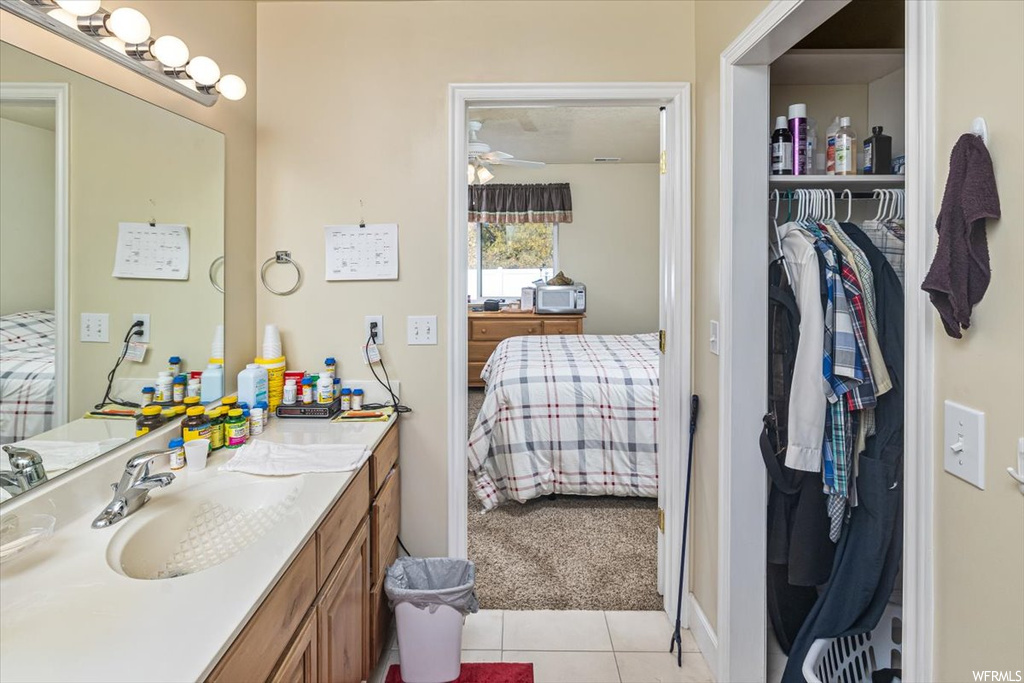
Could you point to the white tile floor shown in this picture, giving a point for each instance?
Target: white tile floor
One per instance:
(577, 647)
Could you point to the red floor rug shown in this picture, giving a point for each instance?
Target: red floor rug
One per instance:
(474, 672)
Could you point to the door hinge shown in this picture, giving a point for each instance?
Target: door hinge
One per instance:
(661, 520)
(662, 336)
(663, 162)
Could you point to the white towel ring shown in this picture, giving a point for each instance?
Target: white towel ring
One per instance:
(281, 257)
(213, 268)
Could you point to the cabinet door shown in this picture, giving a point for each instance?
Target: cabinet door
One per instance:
(343, 616)
(384, 521)
(299, 664)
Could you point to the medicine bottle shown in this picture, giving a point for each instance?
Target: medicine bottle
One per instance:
(307, 390)
(148, 420)
(196, 425)
(357, 399)
(325, 390)
(147, 395)
(258, 418)
(291, 393)
(346, 399)
(234, 429)
(179, 388)
(216, 428)
(177, 455)
(174, 366)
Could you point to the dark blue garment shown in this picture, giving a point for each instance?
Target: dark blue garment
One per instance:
(870, 550)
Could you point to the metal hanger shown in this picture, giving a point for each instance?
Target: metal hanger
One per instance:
(778, 237)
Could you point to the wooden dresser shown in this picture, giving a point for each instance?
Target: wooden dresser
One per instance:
(488, 328)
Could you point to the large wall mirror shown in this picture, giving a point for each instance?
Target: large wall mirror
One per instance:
(110, 208)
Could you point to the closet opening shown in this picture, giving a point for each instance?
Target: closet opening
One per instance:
(840, 418)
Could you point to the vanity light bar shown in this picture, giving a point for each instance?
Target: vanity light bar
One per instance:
(123, 36)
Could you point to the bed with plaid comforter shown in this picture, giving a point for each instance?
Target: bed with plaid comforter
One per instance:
(570, 415)
(27, 376)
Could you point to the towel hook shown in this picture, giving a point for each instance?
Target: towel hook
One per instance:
(281, 257)
(980, 128)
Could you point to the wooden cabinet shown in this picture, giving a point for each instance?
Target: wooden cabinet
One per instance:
(487, 329)
(326, 620)
(343, 616)
(299, 664)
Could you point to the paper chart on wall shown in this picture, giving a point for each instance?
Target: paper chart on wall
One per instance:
(361, 252)
(152, 252)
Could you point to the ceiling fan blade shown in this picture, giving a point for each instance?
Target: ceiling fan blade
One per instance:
(519, 162)
(494, 156)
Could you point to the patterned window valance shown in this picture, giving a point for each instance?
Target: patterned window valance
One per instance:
(540, 203)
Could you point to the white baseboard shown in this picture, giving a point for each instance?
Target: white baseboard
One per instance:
(704, 634)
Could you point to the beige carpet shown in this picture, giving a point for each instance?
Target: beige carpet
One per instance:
(573, 552)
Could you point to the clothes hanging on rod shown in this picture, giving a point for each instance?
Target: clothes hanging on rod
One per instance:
(841, 447)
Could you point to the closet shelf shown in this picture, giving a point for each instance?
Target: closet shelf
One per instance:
(860, 182)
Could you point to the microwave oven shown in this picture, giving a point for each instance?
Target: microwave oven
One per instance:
(561, 299)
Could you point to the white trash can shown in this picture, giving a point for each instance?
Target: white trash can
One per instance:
(431, 598)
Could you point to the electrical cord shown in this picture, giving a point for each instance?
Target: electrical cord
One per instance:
(396, 403)
(133, 331)
(402, 545)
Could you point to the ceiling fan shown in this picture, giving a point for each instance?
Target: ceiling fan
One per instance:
(481, 158)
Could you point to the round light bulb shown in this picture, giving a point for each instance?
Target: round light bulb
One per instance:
(203, 70)
(232, 87)
(170, 51)
(64, 17)
(128, 24)
(80, 8)
(114, 43)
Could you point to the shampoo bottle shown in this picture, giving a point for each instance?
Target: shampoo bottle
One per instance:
(782, 148)
(798, 129)
(846, 148)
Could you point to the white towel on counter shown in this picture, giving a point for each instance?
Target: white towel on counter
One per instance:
(281, 459)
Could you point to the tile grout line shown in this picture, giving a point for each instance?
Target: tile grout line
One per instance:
(611, 641)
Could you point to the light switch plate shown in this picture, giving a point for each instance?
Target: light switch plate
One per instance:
(95, 327)
(964, 443)
(422, 330)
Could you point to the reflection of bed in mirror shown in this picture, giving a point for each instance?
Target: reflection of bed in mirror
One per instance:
(84, 160)
(27, 376)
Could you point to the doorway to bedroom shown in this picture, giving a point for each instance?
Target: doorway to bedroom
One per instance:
(563, 509)
(567, 476)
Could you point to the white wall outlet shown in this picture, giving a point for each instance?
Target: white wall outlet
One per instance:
(144, 337)
(95, 327)
(422, 330)
(713, 338)
(379, 319)
(964, 443)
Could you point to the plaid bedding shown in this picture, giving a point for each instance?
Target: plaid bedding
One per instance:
(567, 414)
(27, 378)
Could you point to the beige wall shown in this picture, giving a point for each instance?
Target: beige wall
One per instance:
(184, 180)
(612, 244)
(26, 217)
(718, 24)
(353, 105)
(979, 545)
(226, 31)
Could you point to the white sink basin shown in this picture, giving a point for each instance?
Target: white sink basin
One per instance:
(203, 528)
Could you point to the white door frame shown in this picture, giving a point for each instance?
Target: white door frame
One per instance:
(675, 269)
(57, 95)
(744, 244)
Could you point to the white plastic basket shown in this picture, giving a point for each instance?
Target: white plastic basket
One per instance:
(854, 658)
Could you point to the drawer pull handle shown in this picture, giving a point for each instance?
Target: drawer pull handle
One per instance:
(483, 330)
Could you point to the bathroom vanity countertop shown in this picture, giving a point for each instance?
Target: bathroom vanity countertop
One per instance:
(66, 614)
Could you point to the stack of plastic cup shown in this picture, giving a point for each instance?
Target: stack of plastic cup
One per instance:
(217, 346)
(273, 360)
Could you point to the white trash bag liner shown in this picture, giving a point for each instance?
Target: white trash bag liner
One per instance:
(428, 582)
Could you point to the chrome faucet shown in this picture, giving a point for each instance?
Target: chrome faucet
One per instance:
(132, 492)
(26, 470)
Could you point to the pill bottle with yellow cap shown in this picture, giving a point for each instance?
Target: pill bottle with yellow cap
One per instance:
(148, 420)
(234, 429)
(196, 425)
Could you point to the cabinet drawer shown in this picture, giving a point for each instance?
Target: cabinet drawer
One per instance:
(256, 651)
(563, 327)
(384, 457)
(385, 518)
(341, 522)
(487, 330)
(479, 351)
